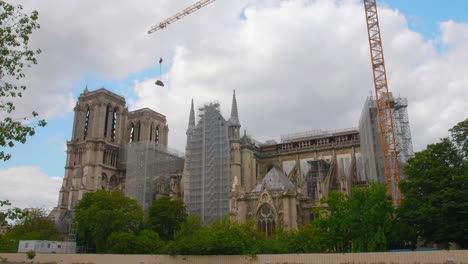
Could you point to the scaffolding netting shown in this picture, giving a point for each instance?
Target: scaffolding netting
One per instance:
(206, 175)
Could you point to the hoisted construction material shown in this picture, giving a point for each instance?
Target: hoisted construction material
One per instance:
(159, 82)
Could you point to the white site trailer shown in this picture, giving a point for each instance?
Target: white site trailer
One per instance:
(45, 246)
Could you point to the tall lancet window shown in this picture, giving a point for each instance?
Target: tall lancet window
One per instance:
(139, 129)
(156, 136)
(106, 120)
(86, 125)
(132, 133)
(151, 133)
(114, 124)
(266, 220)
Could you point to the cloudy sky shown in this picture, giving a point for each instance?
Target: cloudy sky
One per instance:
(296, 65)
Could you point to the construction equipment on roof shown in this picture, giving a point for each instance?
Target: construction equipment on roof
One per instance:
(181, 14)
(382, 97)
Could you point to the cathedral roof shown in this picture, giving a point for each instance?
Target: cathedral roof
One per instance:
(87, 93)
(274, 180)
(148, 112)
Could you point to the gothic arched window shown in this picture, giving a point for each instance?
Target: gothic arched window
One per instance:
(132, 133)
(156, 136)
(151, 132)
(106, 122)
(113, 183)
(104, 157)
(104, 182)
(266, 220)
(86, 125)
(114, 124)
(139, 129)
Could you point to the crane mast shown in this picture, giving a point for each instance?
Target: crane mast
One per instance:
(382, 99)
(181, 14)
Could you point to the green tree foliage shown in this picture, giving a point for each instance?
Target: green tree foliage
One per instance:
(146, 242)
(34, 225)
(435, 190)
(305, 240)
(222, 237)
(149, 242)
(10, 214)
(402, 235)
(370, 218)
(101, 213)
(166, 216)
(360, 223)
(334, 226)
(459, 135)
(279, 243)
(15, 30)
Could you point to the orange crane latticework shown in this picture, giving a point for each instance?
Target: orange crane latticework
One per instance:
(384, 111)
(181, 14)
(382, 99)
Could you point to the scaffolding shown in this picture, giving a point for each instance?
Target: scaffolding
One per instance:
(318, 170)
(313, 134)
(369, 137)
(206, 175)
(402, 130)
(150, 167)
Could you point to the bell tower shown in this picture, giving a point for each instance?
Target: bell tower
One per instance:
(93, 151)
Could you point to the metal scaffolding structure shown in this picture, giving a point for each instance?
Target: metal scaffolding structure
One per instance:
(318, 171)
(150, 168)
(206, 175)
(402, 131)
(369, 137)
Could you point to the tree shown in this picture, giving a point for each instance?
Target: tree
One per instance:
(146, 242)
(334, 227)
(227, 237)
(184, 236)
(34, 225)
(222, 237)
(166, 216)
(370, 218)
(459, 135)
(10, 214)
(121, 243)
(101, 213)
(305, 240)
(15, 30)
(435, 190)
(359, 223)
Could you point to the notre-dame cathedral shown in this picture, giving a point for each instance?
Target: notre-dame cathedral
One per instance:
(223, 172)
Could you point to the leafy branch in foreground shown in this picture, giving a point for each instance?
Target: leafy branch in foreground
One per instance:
(15, 54)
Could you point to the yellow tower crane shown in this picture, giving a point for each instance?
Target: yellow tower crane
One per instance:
(384, 111)
(382, 99)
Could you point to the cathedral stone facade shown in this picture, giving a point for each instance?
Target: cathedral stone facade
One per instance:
(102, 129)
(271, 183)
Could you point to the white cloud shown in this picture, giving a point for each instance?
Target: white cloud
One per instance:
(29, 187)
(296, 65)
(304, 65)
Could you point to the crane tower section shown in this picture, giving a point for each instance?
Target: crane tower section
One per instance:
(384, 111)
(187, 11)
